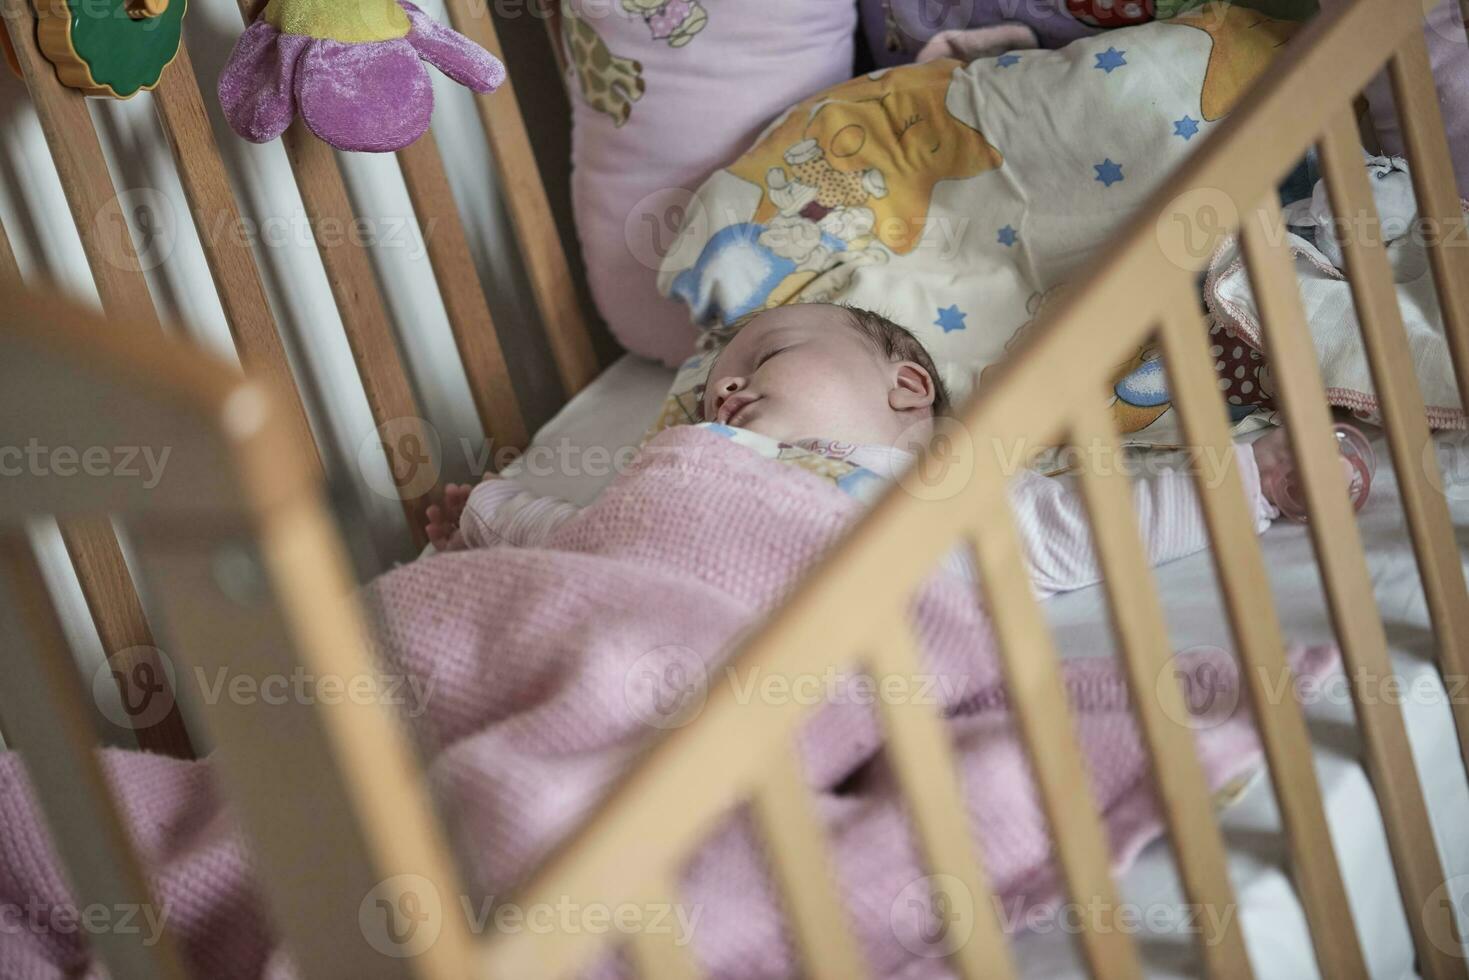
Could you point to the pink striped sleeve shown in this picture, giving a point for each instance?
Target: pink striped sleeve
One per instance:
(500, 513)
(1053, 523)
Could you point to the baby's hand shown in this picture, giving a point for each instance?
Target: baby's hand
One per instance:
(1274, 460)
(443, 519)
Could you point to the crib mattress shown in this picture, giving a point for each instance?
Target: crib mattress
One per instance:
(613, 414)
(1272, 918)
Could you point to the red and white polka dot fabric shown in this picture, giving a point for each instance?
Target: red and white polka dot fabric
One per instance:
(1111, 13)
(1244, 377)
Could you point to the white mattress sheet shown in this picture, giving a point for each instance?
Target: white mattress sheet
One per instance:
(613, 414)
(580, 450)
(1270, 914)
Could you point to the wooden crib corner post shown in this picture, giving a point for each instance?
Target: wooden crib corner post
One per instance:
(358, 871)
(262, 617)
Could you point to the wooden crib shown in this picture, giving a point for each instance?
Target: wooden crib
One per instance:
(244, 562)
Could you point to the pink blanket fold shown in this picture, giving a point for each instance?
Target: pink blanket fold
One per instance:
(547, 670)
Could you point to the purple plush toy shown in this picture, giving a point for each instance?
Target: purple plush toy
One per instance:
(351, 68)
(897, 30)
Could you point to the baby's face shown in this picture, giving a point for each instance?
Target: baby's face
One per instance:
(802, 372)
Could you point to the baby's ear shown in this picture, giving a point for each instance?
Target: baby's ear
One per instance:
(912, 388)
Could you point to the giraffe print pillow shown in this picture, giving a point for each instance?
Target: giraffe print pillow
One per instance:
(944, 197)
(664, 92)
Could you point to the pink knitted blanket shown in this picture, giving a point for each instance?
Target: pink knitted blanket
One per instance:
(546, 670)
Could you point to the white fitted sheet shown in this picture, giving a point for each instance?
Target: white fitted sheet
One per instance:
(1271, 916)
(613, 414)
(607, 418)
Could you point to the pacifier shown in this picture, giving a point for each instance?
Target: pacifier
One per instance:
(1283, 486)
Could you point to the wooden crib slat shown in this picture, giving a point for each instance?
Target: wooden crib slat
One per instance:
(363, 311)
(80, 164)
(116, 612)
(530, 211)
(1384, 336)
(122, 624)
(1354, 611)
(469, 313)
(364, 315)
(800, 862)
(82, 169)
(1043, 715)
(1438, 203)
(551, 11)
(658, 955)
(48, 721)
(357, 871)
(1437, 192)
(226, 249)
(1142, 638)
(922, 757)
(1255, 627)
(9, 267)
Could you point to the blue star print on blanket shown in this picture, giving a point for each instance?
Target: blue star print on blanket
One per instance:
(1186, 127)
(1108, 172)
(1006, 60)
(1110, 60)
(1008, 236)
(950, 319)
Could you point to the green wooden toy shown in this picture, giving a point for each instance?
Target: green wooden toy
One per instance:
(114, 48)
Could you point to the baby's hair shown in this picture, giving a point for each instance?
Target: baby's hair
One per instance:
(892, 341)
(897, 343)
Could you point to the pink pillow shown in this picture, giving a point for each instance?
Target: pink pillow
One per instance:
(1448, 52)
(665, 92)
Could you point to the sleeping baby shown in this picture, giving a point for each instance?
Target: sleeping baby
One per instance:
(851, 384)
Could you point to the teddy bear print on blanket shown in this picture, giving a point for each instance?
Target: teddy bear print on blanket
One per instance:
(939, 195)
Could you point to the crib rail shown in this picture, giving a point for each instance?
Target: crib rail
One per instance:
(853, 612)
(252, 582)
(101, 568)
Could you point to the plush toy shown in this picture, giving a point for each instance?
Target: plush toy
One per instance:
(110, 47)
(351, 68)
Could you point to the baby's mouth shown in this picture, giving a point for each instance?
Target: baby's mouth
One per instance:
(736, 409)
